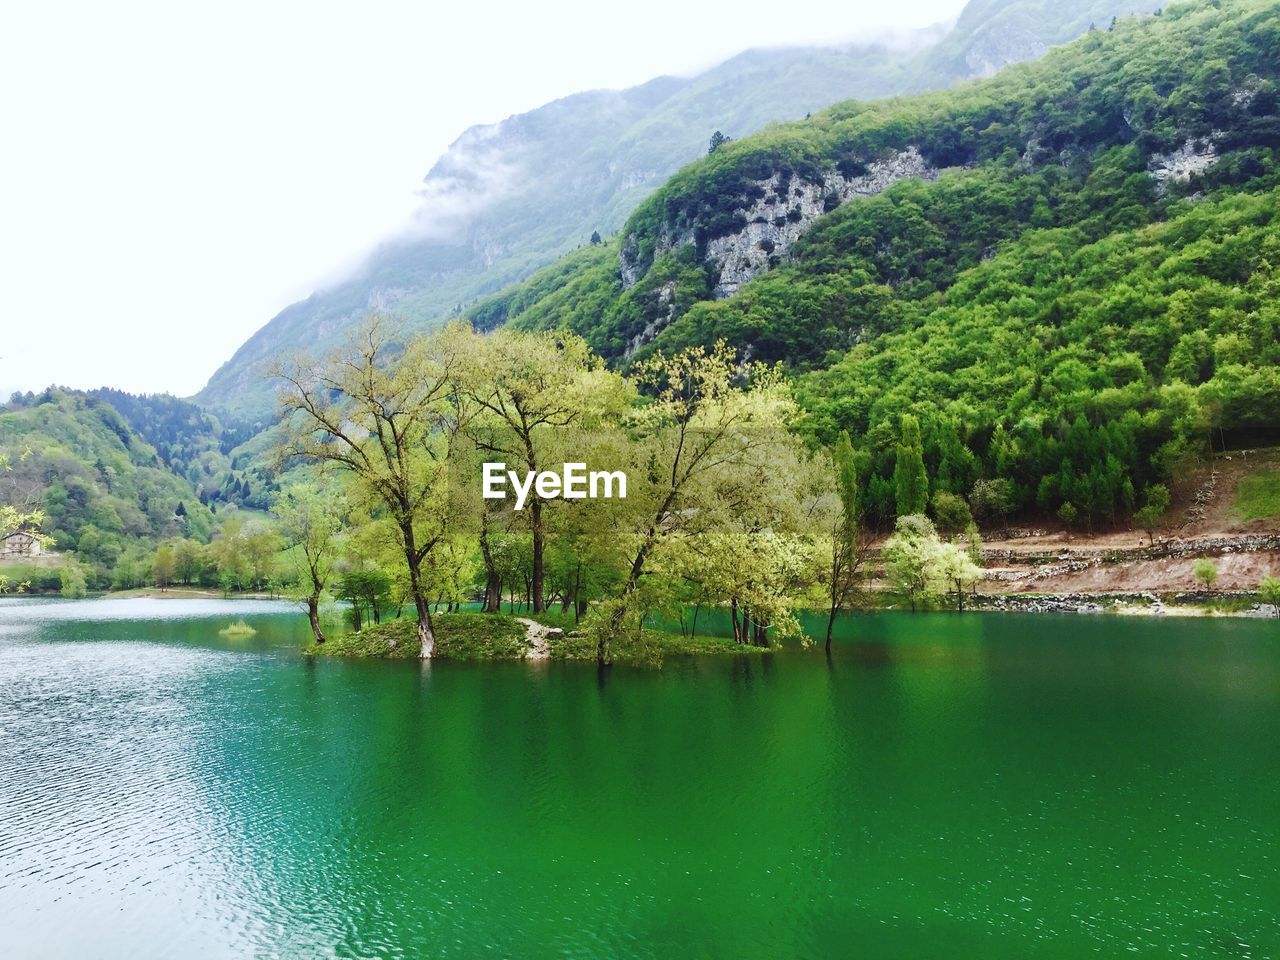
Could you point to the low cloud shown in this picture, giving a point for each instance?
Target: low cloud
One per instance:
(477, 171)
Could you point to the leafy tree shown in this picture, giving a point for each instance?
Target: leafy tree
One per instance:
(189, 560)
(1068, 514)
(911, 482)
(311, 519)
(261, 544)
(993, 500)
(847, 553)
(529, 391)
(368, 591)
(974, 539)
(229, 557)
(72, 581)
(390, 419)
(718, 140)
(951, 513)
(1149, 517)
(958, 570)
(163, 566)
(1269, 593)
(706, 415)
(913, 559)
(1206, 571)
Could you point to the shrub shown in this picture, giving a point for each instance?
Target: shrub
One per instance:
(1206, 572)
(951, 513)
(71, 582)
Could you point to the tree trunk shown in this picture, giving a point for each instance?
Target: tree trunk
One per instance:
(831, 622)
(493, 580)
(426, 633)
(539, 603)
(604, 656)
(313, 614)
(492, 593)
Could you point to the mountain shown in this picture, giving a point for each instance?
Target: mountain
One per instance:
(511, 197)
(1066, 273)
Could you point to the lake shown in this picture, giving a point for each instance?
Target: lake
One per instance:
(960, 786)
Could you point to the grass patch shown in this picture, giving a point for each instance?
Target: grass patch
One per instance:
(653, 646)
(1228, 604)
(500, 636)
(1258, 496)
(237, 629)
(41, 579)
(459, 636)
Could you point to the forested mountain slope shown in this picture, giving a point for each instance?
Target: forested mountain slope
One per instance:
(1066, 272)
(102, 487)
(510, 197)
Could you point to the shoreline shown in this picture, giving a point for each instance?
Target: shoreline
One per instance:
(1152, 603)
(1156, 602)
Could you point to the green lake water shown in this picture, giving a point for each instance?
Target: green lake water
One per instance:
(976, 786)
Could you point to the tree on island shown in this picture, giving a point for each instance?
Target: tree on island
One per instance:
(529, 391)
(387, 412)
(708, 415)
(311, 520)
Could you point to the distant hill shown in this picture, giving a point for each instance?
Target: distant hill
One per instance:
(511, 197)
(103, 488)
(116, 472)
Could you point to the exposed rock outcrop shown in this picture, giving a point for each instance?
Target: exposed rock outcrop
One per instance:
(666, 303)
(993, 52)
(786, 208)
(1180, 165)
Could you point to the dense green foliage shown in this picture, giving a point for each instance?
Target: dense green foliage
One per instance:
(1061, 322)
(198, 445)
(104, 490)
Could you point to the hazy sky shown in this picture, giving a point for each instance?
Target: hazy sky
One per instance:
(173, 174)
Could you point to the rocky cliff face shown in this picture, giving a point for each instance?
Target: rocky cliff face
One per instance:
(992, 53)
(1180, 165)
(786, 208)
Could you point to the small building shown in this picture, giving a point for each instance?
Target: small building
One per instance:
(19, 545)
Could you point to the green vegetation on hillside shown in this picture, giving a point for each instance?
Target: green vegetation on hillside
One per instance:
(104, 491)
(1258, 496)
(1059, 321)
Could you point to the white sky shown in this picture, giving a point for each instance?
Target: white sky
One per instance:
(173, 174)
